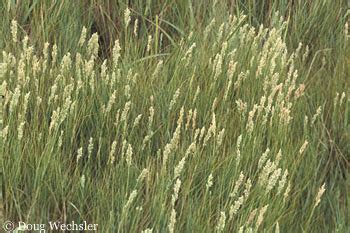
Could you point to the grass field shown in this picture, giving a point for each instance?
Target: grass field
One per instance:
(175, 116)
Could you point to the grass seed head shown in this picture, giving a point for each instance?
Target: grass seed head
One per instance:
(261, 216)
(127, 17)
(319, 194)
(221, 223)
(14, 28)
(209, 182)
(82, 37)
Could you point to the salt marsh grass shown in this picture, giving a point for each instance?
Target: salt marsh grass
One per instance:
(234, 123)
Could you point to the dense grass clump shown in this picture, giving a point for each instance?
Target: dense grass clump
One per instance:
(238, 123)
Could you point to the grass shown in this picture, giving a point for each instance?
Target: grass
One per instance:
(206, 116)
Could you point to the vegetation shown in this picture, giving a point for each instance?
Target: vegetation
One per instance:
(176, 116)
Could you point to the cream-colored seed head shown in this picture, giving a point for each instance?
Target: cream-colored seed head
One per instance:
(194, 118)
(277, 229)
(172, 222)
(90, 147)
(175, 195)
(173, 101)
(286, 192)
(14, 99)
(228, 87)
(178, 169)
(4, 132)
(189, 118)
(125, 112)
(79, 154)
(196, 135)
(217, 66)
(263, 158)
(188, 55)
(116, 53)
(221, 223)
(157, 70)
(300, 91)
(272, 180)
(342, 98)
(25, 104)
(149, 43)
(20, 131)
(127, 92)
(174, 198)
(231, 69)
(111, 101)
(252, 216)
(150, 117)
(261, 216)
(220, 32)
(136, 26)
(211, 130)
(191, 149)
(127, 17)
(266, 171)
(220, 137)
(303, 147)
(54, 119)
(82, 181)
(319, 194)
(112, 152)
(238, 149)
(251, 114)
(130, 200)
(202, 132)
(117, 118)
(104, 69)
(124, 147)
(282, 182)
(93, 45)
(235, 207)
(137, 120)
(237, 185)
(82, 37)
(247, 188)
(166, 153)
(209, 182)
(174, 142)
(129, 153)
(14, 30)
(143, 175)
(318, 112)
